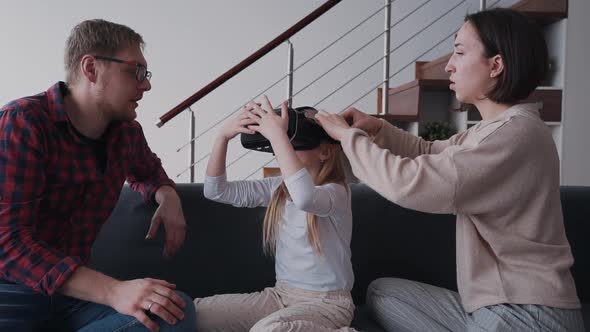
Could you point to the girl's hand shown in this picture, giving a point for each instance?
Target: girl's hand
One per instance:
(236, 125)
(333, 124)
(269, 124)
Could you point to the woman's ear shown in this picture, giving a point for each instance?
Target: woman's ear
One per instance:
(497, 66)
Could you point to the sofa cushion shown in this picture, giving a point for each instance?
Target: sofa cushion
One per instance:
(576, 211)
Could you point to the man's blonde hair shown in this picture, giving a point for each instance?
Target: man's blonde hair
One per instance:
(97, 37)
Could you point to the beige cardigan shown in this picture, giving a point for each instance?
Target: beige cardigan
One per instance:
(501, 179)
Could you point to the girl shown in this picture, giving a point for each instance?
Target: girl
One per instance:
(501, 179)
(307, 227)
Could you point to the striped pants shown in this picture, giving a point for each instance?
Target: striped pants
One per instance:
(404, 305)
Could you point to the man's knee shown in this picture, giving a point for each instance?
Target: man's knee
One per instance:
(189, 322)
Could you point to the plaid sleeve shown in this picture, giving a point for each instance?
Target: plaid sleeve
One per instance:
(147, 173)
(23, 258)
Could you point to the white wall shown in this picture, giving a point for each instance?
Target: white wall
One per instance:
(190, 43)
(576, 118)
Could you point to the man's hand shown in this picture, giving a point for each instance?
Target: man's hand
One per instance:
(133, 297)
(138, 297)
(170, 214)
(363, 121)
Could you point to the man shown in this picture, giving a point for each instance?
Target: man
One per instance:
(64, 157)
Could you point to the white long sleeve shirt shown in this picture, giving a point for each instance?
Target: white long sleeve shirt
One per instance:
(295, 260)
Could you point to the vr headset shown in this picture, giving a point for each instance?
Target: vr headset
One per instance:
(303, 132)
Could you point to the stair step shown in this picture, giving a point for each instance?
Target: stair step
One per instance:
(271, 171)
(433, 70)
(543, 11)
(404, 100)
(549, 101)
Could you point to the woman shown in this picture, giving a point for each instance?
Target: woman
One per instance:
(501, 179)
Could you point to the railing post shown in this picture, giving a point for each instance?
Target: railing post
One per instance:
(192, 149)
(290, 56)
(386, 46)
(482, 5)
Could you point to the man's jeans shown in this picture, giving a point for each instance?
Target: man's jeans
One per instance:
(22, 309)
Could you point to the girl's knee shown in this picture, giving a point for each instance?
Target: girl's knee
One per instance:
(267, 325)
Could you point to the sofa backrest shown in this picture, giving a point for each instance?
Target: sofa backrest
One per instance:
(575, 202)
(223, 249)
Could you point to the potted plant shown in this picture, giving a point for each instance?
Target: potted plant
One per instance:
(437, 131)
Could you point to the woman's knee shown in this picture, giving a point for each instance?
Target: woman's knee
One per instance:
(386, 287)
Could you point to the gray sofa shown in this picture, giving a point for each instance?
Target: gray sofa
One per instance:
(223, 252)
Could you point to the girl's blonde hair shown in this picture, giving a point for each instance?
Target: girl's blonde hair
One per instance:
(331, 171)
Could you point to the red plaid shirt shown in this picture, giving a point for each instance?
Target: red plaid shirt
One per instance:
(54, 196)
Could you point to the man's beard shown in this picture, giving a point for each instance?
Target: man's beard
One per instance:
(114, 115)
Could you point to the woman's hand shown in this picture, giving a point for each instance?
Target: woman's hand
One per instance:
(269, 124)
(333, 124)
(363, 121)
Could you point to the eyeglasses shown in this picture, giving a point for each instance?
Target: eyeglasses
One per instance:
(141, 72)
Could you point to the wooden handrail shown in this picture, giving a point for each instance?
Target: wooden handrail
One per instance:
(247, 62)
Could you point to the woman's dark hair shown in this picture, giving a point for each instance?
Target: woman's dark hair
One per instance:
(520, 43)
